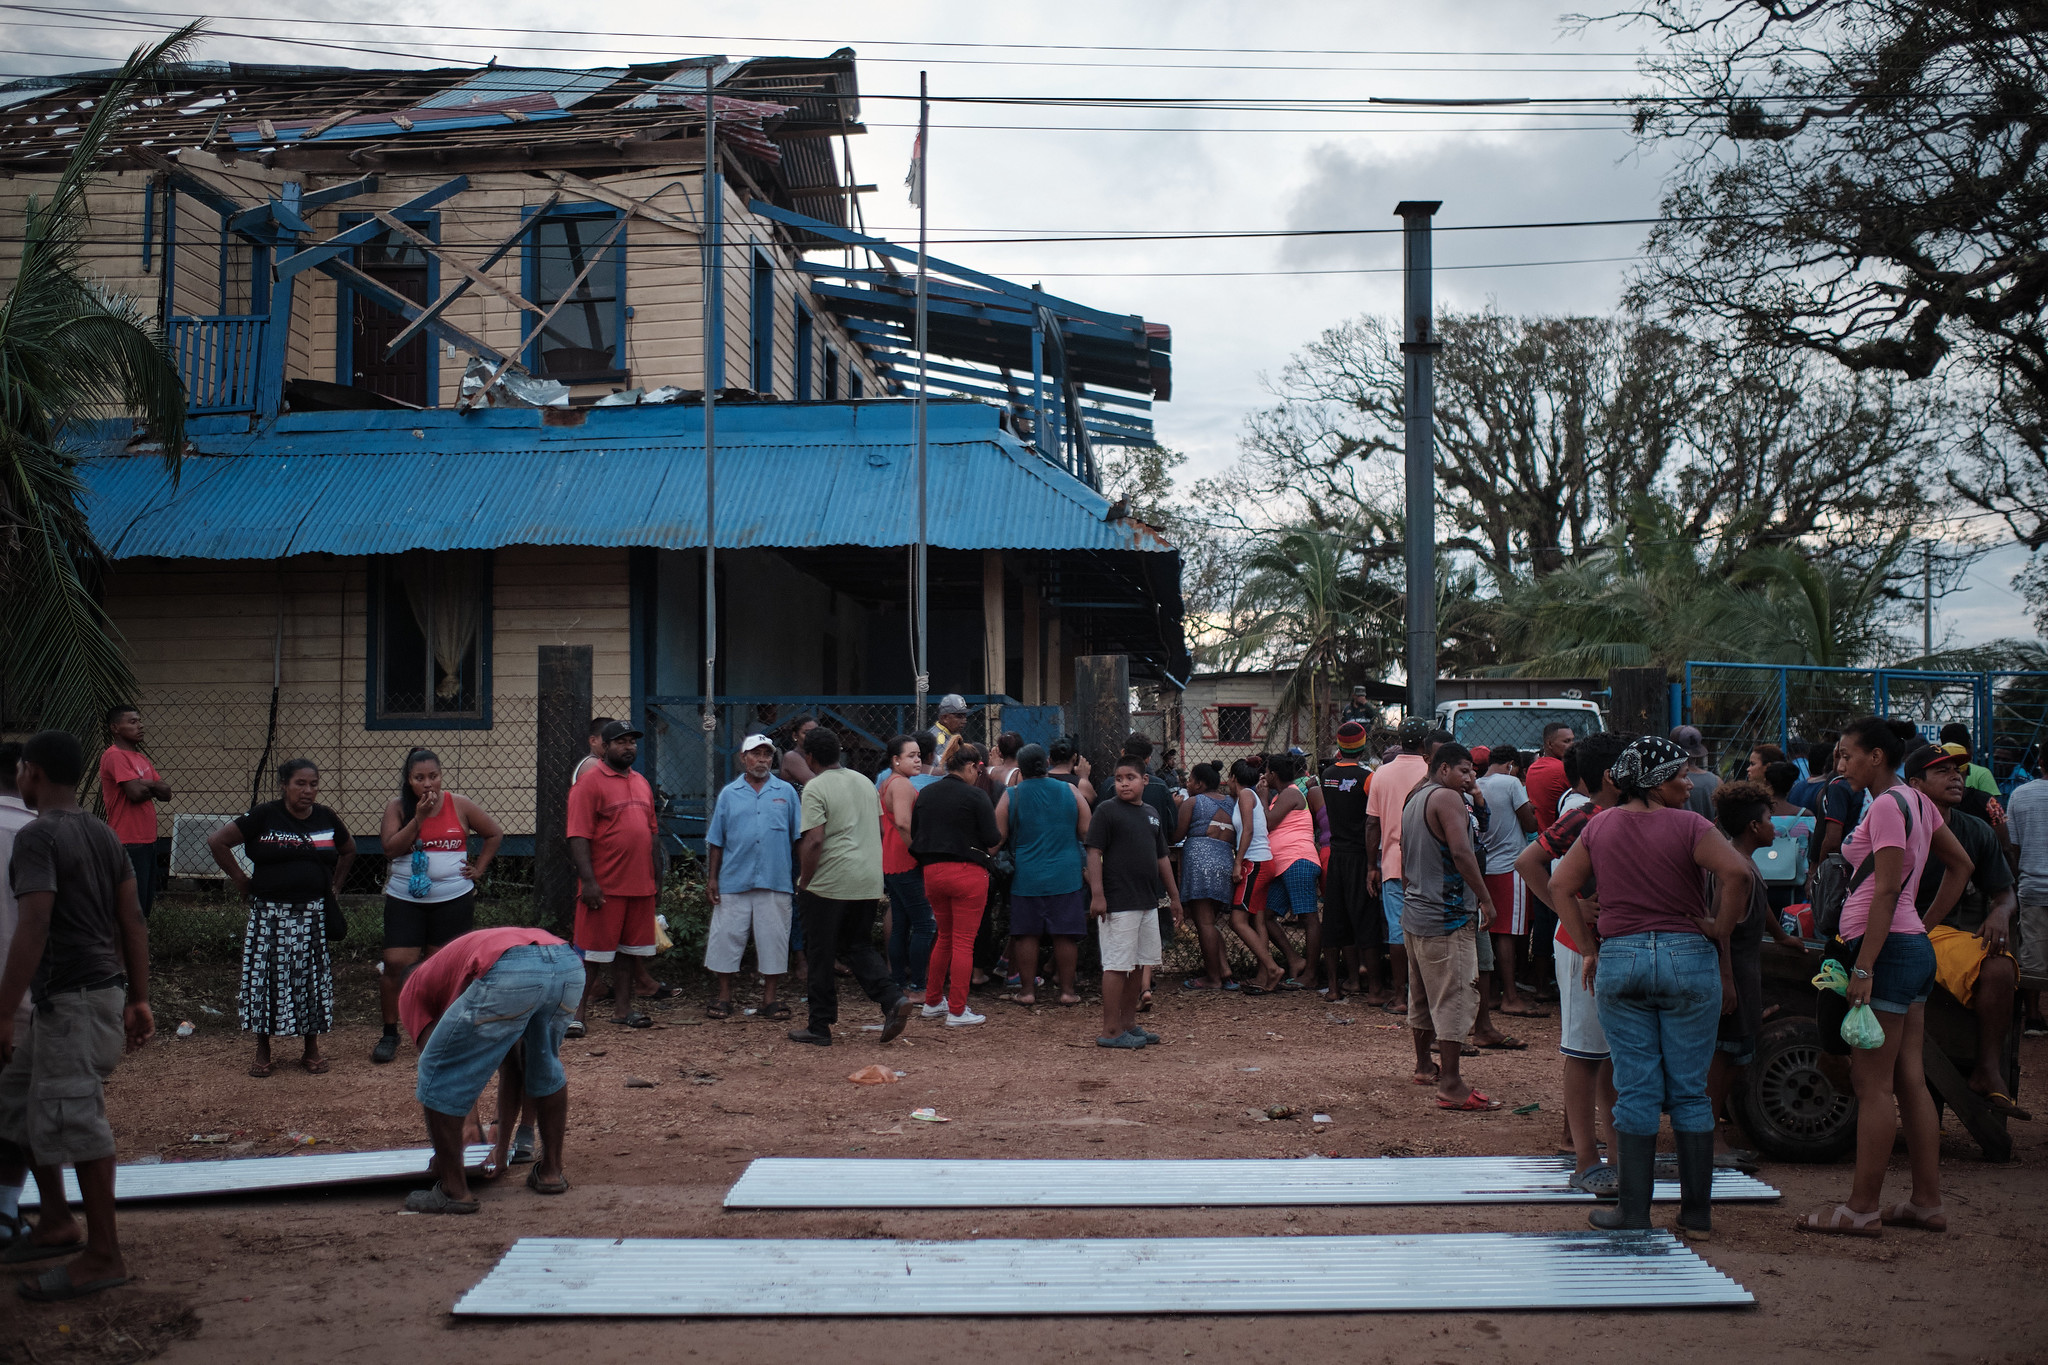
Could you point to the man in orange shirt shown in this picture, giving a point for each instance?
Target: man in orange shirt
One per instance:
(1390, 788)
(616, 846)
(130, 787)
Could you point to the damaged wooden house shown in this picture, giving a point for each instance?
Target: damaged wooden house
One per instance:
(446, 336)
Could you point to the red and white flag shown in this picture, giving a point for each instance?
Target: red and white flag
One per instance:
(914, 181)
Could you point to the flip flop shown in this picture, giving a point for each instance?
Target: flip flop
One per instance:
(522, 1146)
(1199, 983)
(1474, 1103)
(539, 1186)
(21, 1251)
(634, 1020)
(56, 1285)
(434, 1199)
(1505, 1043)
(775, 1009)
(1843, 1221)
(261, 1070)
(1249, 989)
(1435, 1072)
(2004, 1104)
(316, 1066)
(1011, 998)
(664, 991)
(575, 1029)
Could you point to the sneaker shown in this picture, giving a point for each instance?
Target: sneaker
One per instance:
(2037, 1028)
(1129, 1042)
(932, 1012)
(386, 1049)
(1151, 1039)
(965, 1019)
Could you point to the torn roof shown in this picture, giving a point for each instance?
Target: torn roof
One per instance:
(780, 113)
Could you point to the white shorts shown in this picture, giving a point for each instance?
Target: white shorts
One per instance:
(1130, 940)
(1580, 1034)
(766, 915)
(2033, 938)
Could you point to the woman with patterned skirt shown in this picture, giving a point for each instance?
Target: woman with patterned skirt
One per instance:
(300, 854)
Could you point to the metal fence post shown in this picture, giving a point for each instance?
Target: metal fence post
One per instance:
(1784, 706)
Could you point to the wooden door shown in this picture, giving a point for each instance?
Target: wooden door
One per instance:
(402, 376)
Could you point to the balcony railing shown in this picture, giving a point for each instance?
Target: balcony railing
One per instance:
(220, 359)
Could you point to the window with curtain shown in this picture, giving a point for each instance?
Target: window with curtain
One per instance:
(430, 638)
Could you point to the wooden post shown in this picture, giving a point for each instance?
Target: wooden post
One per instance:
(1101, 713)
(1640, 701)
(1034, 659)
(995, 647)
(1057, 692)
(561, 738)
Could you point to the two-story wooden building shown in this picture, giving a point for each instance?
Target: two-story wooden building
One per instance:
(444, 335)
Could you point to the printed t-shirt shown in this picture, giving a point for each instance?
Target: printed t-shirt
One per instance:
(1648, 879)
(1557, 839)
(1547, 786)
(445, 843)
(845, 806)
(1884, 826)
(133, 822)
(1132, 843)
(1347, 792)
(1390, 788)
(73, 854)
(1501, 838)
(615, 811)
(293, 859)
(432, 986)
(2026, 816)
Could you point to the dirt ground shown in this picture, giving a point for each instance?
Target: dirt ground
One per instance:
(343, 1276)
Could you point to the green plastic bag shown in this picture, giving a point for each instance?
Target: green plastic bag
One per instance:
(1832, 977)
(1861, 1029)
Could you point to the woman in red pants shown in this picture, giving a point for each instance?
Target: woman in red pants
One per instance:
(952, 833)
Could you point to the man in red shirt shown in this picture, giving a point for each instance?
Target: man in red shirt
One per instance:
(616, 846)
(1546, 781)
(494, 1000)
(130, 788)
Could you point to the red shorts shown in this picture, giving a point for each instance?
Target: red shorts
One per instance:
(1510, 903)
(1253, 890)
(624, 925)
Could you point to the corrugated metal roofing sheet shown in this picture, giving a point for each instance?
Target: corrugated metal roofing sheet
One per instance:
(913, 1183)
(869, 1277)
(504, 83)
(627, 477)
(258, 1174)
(689, 80)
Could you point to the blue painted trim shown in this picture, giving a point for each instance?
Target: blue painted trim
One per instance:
(805, 343)
(529, 279)
(344, 311)
(373, 598)
(761, 308)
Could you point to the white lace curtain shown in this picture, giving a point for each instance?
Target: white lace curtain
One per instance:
(444, 588)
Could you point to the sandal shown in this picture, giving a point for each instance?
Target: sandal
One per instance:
(1505, 1043)
(774, 1009)
(1435, 1072)
(664, 991)
(719, 1009)
(261, 1070)
(314, 1066)
(2005, 1106)
(57, 1286)
(434, 1199)
(634, 1020)
(539, 1186)
(522, 1146)
(1473, 1103)
(1145, 1003)
(1843, 1221)
(1909, 1215)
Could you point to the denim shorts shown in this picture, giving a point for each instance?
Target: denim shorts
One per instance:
(1903, 974)
(528, 996)
(1391, 903)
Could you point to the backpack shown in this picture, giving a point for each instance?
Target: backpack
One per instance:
(1833, 881)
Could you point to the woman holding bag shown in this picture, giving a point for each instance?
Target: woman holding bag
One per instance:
(301, 855)
(1891, 969)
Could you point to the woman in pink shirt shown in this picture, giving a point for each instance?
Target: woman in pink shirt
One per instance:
(1891, 969)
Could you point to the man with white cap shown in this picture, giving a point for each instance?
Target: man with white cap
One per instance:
(753, 828)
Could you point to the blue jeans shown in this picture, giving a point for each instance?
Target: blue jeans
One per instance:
(1659, 997)
(912, 928)
(528, 996)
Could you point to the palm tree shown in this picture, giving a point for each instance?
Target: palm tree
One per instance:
(72, 352)
(1323, 611)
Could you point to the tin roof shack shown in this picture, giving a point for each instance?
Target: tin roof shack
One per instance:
(443, 338)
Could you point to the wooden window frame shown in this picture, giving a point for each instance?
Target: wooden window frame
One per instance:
(375, 717)
(529, 287)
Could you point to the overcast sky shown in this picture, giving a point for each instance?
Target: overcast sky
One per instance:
(1008, 170)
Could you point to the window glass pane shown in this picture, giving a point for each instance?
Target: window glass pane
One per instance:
(388, 251)
(582, 338)
(401, 652)
(1234, 724)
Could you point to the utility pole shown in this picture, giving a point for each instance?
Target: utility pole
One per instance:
(1926, 601)
(920, 607)
(1418, 352)
(713, 296)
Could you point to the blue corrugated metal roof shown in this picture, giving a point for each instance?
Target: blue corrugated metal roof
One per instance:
(788, 475)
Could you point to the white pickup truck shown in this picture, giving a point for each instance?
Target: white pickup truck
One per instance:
(1515, 720)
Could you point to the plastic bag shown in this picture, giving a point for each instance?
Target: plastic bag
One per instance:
(1832, 977)
(663, 944)
(1861, 1029)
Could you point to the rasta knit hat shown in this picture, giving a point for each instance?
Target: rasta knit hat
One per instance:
(1352, 737)
(1648, 761)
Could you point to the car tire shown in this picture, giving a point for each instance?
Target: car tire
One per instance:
(1788, 1103)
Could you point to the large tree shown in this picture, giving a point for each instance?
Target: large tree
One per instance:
(1868, 180)
(72, 352)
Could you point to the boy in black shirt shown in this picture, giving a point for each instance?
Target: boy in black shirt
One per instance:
(80, 951)
(1127, 865)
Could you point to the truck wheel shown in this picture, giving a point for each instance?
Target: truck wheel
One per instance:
(1788, 1104)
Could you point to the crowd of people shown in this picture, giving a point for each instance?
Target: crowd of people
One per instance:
(1615, 875)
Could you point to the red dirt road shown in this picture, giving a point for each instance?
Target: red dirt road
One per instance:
(345, 1277)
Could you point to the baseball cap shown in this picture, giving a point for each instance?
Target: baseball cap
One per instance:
(1933, 756)
(755, 742)
(952, 702)
(1481, 755)
(1689, 738)
(618, 729)
(1412, 731)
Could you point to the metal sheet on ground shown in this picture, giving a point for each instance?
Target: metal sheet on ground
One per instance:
(261, 1174)
(729, 1277)
(890, 1183)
